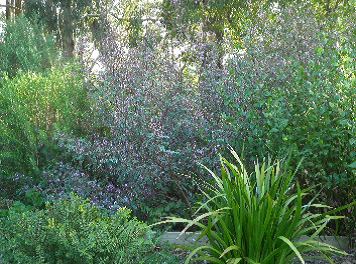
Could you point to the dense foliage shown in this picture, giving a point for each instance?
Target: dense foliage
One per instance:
(175, 83)
(24, 46)
(300, 98)
(151, 123)
(240, 201)
(72, 231)
(34, 106)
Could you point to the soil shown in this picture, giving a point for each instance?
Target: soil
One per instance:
(349, 259)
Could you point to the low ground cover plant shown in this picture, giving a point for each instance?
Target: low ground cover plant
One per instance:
(257, 218)
(72, 231)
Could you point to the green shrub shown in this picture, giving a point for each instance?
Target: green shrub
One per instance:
(18, 144)
(57, 97)
(32, 201)
(257, 218)
(312, 112)
(33, 107)
(72, 231)
(294, 91)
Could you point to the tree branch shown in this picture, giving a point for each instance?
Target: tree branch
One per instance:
(126, 19)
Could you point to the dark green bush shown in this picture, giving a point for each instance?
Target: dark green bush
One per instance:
(72, 231)
(33, 200)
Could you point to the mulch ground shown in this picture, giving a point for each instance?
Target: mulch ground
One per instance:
(349, 259)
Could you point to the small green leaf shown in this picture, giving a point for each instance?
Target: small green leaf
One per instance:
(352, 165)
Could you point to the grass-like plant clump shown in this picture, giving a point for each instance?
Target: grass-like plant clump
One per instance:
(258, 217)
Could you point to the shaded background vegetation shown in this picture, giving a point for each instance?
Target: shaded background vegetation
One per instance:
(178, 82)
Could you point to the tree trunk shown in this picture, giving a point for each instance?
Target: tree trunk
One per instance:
(68, 33)
(220, 40)
(18, 5)
(8, 9)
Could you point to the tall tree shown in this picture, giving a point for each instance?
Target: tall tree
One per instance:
(12, 7)
(18, 7)
(213, 17)
(216, 17)
(60, 16)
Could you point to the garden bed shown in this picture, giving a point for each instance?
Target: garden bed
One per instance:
(187, 238)
(349, 259)
(340, 242)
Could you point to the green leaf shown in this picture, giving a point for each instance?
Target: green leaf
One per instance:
(233, 247)
(290, 244)
(352, 165)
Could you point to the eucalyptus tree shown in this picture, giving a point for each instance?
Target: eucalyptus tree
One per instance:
(217, 19)
(63, 17)
(12, 7)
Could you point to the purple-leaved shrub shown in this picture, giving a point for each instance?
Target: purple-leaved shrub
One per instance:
(153, 123)
(61, 179)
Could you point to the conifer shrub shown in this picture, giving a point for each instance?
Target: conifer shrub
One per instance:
(72, 231)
